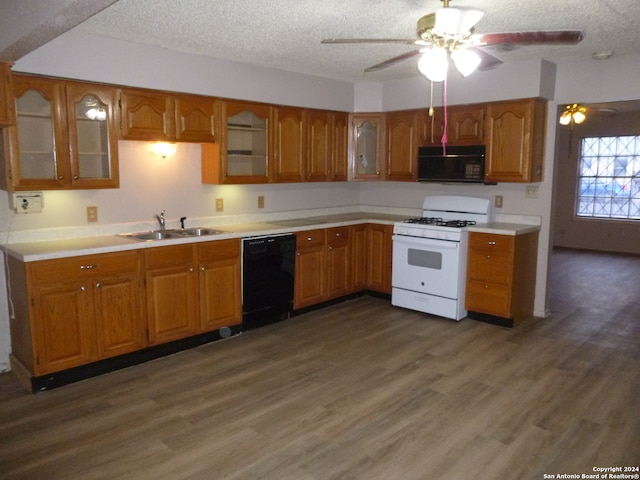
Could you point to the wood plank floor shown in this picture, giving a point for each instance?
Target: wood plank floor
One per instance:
(361, 390)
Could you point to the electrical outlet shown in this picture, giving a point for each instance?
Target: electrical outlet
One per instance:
(497, 201)
(219, 205)
(92, 214)
(531, 191)
(27, 202)
(260, 201)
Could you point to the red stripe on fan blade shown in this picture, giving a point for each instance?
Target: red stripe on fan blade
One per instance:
(533, 38)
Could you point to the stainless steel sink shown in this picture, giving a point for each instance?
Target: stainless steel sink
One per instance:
(197, 232)
(153, 235)
(168, 234)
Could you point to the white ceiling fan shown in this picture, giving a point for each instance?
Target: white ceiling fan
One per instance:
(449, 33)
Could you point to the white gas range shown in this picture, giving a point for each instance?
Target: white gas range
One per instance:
(430, 255)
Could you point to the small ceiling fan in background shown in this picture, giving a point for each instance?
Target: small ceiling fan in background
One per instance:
(449, 33)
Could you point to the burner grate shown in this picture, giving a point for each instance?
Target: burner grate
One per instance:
(440, 222)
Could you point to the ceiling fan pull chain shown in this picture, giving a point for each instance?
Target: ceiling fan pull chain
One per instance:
(444, 134)
(431, 112)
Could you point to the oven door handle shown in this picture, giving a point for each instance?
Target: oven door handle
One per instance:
(426, 242)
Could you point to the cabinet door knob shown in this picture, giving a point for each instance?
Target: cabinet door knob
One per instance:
(88, 267)
(309, 239)
(488, 256)
(83, 288)
(98, 285)
(76, 177)
(486, 287)
(60, 177)
(490, 243)
(202, 268)
(191, 269)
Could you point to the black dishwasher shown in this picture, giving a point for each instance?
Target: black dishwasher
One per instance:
(268, 266)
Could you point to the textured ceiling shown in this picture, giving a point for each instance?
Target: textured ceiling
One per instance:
(286, 34)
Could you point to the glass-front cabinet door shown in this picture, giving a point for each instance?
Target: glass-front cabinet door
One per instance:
(93, 144)
(247, 143)
(65, 135)
(38, 158)
(366, 146)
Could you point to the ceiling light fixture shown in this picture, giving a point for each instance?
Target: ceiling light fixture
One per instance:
(573, 114)
(450, 36)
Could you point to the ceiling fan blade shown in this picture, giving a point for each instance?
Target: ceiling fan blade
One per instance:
(567, 37)
(487, 61)
(403, 41)
(392, 61)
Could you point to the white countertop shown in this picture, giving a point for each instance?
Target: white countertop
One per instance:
(72, 247)
(29, 251)
(502, 228)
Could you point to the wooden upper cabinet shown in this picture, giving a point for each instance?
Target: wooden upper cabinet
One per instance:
(196, 118)
(245, 145)
(402, 141)
(339, 171)
(146, 115)
(161, 116)
(93, 138)
(65, 136)
(515, 135)
(7, 104)
(433, 126)
(289, 143)
(319, 145)
(465, 125)
(367, 146)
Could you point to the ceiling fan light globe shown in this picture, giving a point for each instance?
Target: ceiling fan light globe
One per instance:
(579, 117)
(565, 118)
(456, 21)
(433, 64)
(465, 61)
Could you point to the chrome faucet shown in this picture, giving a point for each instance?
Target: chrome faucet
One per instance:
(160, 219)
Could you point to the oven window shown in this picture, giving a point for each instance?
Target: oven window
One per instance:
(424, 258)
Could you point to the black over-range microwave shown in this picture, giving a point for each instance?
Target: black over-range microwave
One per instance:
(461, 163)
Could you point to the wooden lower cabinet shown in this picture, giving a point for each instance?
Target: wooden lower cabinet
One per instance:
(219, 265)
(339, 278)
(379, 257)
(501, 275)
(310, 270)
(77, 310)
(192, 289)
(334, 262)
(172, 292)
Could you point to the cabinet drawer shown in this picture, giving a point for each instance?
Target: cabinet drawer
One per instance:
(489, 266)
(78, 268)
(488, 242)
(338, 235)
(488, 298)
(218, 249)
(168, 257)
(310, 238)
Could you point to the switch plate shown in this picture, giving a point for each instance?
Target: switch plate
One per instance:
(497, 202)
(219, 205)
(260, 201)
(92, 214)
(531, 191)
(27, 202)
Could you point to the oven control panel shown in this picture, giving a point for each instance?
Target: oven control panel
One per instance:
(442, 233)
